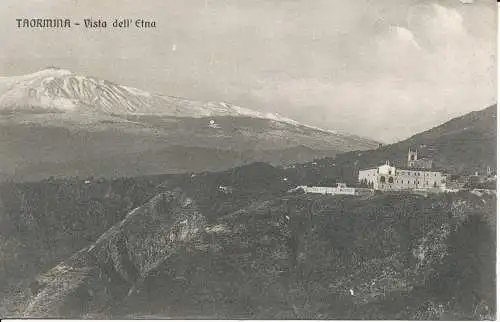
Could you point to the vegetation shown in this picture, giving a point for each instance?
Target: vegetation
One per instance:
(266, 253)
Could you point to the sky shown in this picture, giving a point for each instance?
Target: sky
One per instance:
(383, 69)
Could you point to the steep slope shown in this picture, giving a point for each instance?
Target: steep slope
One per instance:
(117, 263)
(57, 123)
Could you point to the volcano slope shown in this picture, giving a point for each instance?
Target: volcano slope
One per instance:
(260, 253)
(58, 123)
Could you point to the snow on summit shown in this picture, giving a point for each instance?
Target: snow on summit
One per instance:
(59, 90)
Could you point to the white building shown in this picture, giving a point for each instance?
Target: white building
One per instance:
(340, 189)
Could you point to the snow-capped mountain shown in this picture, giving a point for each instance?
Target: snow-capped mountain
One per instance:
(55, 122)
(55, 89)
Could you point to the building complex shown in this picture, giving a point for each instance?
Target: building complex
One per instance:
(417, 176)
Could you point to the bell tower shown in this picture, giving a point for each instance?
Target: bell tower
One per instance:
(412, 158)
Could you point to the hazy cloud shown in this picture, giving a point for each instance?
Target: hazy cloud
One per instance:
(385, 69)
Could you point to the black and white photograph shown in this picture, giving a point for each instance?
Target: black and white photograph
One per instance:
(248, 160)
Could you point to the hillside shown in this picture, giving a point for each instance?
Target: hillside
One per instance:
(57, 123)
(462, 145)
(34, 152)
(459, 145)
(255, 253)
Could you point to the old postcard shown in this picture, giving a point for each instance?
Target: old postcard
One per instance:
(259, 159)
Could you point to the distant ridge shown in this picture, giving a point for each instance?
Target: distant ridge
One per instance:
(58, 123)
(55, 88)
(463, 144)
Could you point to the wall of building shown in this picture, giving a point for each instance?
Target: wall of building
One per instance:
(368, 176)
(418, 179)
(384, 178)
(421, 163)
(329, 190)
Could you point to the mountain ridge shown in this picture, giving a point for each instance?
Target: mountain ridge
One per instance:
(49, 89)
(462, 145)
(80, 123)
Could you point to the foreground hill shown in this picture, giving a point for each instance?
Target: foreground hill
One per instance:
(179, 246)
(57, 123)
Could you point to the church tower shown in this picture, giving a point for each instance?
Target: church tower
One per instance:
(412, 158)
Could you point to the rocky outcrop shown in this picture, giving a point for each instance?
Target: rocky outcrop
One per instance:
(118, 262)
